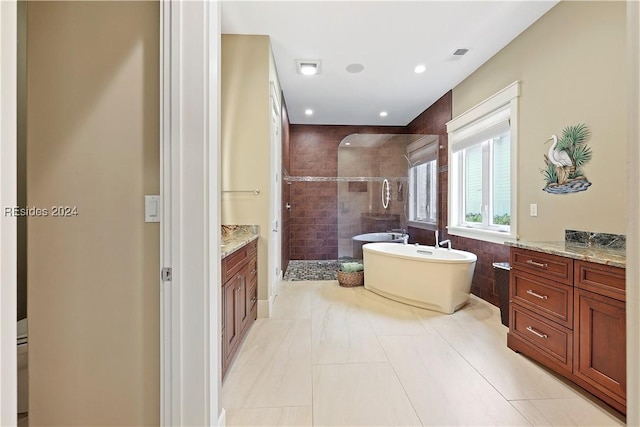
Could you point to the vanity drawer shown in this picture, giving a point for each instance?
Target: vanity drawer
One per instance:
(550, 266)
(548, 298)
(552, 340)
(602, 279)
(233, 263)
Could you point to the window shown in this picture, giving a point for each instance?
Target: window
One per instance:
(423, 189)
(481, 183)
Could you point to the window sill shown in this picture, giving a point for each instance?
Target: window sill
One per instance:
(484, 235)
(431, 226)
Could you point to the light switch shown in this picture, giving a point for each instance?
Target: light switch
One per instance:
(152, 208)
(533, 209)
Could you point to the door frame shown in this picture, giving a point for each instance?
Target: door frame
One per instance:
(190, 220)
(190, 125)
(8, 224)
(275, 204)
(633, 210)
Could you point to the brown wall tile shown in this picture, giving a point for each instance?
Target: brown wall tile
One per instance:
(313, 151)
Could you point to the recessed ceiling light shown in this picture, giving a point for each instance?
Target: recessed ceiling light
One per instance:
(383, 114)
(308, 67)
(420, 69)
(355, 68)
(308, 112)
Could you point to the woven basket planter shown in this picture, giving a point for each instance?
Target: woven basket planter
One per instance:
(350, 279)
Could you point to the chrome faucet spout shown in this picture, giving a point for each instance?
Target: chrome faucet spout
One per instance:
(446, 242)
(437, 244)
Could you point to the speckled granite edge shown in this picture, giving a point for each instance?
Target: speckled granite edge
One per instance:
(235, 237)
(596, 254)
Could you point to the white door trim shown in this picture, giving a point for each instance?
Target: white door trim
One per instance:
(633, 209)
(190, 336)
(8, 197)
(275, 214)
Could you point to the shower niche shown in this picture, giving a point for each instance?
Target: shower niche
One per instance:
(372, 186)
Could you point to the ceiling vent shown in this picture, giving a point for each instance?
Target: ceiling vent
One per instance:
(308, 67)
(459, 53)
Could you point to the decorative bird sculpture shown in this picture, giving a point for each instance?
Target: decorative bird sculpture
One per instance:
(560, 160)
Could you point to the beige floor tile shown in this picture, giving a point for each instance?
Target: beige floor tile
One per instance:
(531, 413)
(273, 367)
(576, 411)
(293, 301)
(339, 328)
(475, 311)
(270, 417)
(388, 317)
(367, 394)
(341, 334)
(513, 375)
(443, 387)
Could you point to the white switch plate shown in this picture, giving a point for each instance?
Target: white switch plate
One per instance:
(151, 208)
(533, 209)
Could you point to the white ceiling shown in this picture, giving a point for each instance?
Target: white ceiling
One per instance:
(389, 38)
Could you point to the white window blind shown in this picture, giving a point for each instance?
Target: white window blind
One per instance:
(421, 151)
(481, 130)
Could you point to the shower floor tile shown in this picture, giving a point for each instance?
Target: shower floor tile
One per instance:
(312, 270)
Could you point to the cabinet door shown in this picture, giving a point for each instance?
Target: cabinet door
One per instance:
(600, 343)
(252, 293)
(231, 321)
(243, 308)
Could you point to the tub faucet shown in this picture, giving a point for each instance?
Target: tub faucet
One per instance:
(445, 242)
(405, 239)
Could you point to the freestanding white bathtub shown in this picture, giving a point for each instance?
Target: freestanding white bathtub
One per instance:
(424, 276)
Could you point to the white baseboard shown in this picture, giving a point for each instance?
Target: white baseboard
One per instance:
(264, 307)
(222, 419)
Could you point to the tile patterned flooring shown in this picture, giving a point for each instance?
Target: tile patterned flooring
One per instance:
(311, 270)
(333, 356)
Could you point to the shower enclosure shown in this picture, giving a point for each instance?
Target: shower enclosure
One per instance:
(372, 186)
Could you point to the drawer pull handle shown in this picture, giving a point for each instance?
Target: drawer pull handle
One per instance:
(537, 264)
(530, 292)
(536, 333)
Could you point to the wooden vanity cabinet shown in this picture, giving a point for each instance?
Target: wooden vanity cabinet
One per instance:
(599, 356)
(239, 299)
(541, 308)
(569, 315)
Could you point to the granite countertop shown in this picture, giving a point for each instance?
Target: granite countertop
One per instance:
(581, 251)
(235, 237)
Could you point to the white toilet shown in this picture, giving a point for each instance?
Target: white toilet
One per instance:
(23, 367)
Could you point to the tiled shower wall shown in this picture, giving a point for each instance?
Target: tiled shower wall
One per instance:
(313, 151)
(360, 203)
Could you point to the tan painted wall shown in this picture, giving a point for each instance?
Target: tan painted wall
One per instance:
(572, 66)
(93, 143)
(21, 145)
(245, 142)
